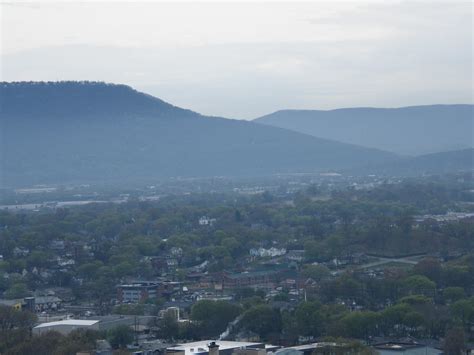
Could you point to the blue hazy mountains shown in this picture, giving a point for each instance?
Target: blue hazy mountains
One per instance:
(412, 130)
(87, 131)
(454, 161)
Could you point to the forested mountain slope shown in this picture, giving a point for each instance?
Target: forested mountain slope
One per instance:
(88, 131)
(411, 130)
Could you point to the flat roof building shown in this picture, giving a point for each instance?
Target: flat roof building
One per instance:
(99, 323)
(412, 348)
(66, 326)
(202, 347)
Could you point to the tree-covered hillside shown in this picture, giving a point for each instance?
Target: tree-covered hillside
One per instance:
(82, 131)
(412, 130)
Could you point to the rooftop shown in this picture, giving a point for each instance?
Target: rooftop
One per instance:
(312, 346)
(251, 274)
(397, 346)
(71, 322)
(141, 284)
(202, 346)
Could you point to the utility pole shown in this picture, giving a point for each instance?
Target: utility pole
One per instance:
(135, 329)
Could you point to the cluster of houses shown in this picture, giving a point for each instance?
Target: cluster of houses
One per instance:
(271, 252)
(275, 271)
(37, 304)
(66, 256)
(272, 269)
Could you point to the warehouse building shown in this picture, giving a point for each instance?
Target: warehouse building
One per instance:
(66, 326)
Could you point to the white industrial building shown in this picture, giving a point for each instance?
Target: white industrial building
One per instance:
(99, 323)
(66, 326)
(205, 347)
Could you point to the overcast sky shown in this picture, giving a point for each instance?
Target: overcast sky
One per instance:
(247, 59)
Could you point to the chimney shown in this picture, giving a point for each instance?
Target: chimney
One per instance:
(213, 348)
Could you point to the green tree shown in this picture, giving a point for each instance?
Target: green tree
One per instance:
(11, 318)
(416, 300)
(15, 327)
(76, 341)
(316, 272)
(37, 258)
(18, 290)
(418, 284)
(120, 336)
(314, 251)
(168, 327)
(394, 315)
(309, 318)
(123, 269)
(214, 316)
(89, 270)
(454, 342)
(130, 309)
(413, 319)
(44, 344)
(263, 320)
(360, 324)
(457, 275)
(247, 292)
(453, 294)
(463, 310)
(429, 267)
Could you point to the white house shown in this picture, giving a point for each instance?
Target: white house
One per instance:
(206, 221)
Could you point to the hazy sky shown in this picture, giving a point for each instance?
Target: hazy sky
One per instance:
(246, 59)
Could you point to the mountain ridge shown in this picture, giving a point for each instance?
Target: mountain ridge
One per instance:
(12, 92)
(81, 131)
(448, 162)
(411, 130)
(360, 108)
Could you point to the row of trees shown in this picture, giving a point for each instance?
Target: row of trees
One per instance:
(415, 316)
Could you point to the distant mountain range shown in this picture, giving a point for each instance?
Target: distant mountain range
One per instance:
(428, 164)
(89, 132)
(412, 130)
